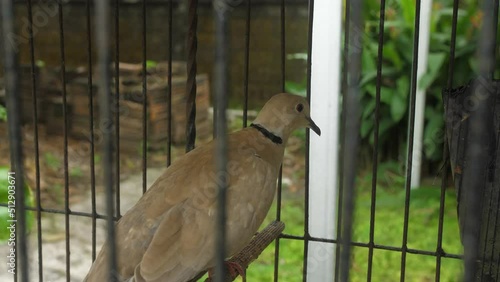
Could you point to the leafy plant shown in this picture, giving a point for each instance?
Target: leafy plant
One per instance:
(52, 161)
(397, 64)
(397, 67)
(4, 198)
(3, 113)
(76, 172)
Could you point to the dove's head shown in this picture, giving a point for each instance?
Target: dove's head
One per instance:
(284, 113)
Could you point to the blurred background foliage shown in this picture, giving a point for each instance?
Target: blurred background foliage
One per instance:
(4, 198)
(396, 73)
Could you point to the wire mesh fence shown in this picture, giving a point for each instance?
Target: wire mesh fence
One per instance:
(469, 148)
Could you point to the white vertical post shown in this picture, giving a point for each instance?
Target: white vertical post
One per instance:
(423, 52)
(323, 163)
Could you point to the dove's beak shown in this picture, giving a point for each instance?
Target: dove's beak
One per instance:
(312, 125)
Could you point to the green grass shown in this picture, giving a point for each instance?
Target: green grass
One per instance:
(389, 222)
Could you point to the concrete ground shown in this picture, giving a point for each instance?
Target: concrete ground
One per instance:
(53, 236)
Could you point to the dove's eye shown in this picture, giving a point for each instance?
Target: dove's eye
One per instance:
(299, 107)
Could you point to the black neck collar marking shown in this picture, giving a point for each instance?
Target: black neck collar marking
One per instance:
(268, 134)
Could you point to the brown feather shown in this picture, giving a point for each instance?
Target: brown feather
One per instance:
(169, 234)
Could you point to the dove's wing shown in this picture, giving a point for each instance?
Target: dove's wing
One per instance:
(178, 254)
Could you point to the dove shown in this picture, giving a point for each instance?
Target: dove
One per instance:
(168, 235)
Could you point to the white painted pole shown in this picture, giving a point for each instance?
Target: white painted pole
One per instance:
(323, 163)
(423, 52)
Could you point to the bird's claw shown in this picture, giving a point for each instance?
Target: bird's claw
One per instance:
(233, 268)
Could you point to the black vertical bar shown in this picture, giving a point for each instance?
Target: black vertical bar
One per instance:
(15, 136)
(106, 120)
(340, 194)
(451, 65)
(280, 175)
(144, 102)
(498, 258)
(35, 137)
(278, 218)
(117, 106)
(487, 220)
(169, 93)
(306, 176)
(497, 216)
(246, 63)
(477, 159)
(446, 149)
(282, 44)
(496, 223)
(91, 122)
(411, 130)
(220, 86)
(352, 123)
(192, 42)
(497, 227)
(380, 55)
(65, 146)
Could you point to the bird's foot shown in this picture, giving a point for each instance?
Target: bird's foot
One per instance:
(233, 268)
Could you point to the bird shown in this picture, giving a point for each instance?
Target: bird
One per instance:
(169, 234)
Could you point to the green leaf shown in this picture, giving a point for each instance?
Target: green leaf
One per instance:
(432, 138)
(151, 64)
(296, 88)
(398, 108)
(384, 125)
(368, 108)
(367, 77)
(389, 71)
(368, 61)
(403, 86)
(366, 127)
(3, 113)
(408, 10)
(392, 55)
(386, 93)
(473, 64)
(435, 62)
(295, 56)
(40, 63)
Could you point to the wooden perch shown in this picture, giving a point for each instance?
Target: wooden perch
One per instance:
(252, 251)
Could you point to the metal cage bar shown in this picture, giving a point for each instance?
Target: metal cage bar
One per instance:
(373, 203)
(310, 18)
(102, 20)
(344, 87)
(144, 102)
(446, 152)
(280, 174)
(477, 159)
(16, 176)
(192, 47)
(91, 131)
(246, 66)
(351, 140)
(65, 133)
(35, 136)
(116, 103)
(221, 13)
(169, 81)
(411, 127)
(343, 240)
